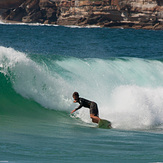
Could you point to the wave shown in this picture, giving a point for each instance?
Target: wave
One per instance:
(129, 91)
(40, 24)
(21, 23)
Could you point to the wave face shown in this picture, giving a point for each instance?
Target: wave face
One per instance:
(129, 91)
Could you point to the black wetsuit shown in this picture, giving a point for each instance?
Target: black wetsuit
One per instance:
(88, 104)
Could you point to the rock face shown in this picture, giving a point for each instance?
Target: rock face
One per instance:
(10, 3)
(31, 11)
(147, 14)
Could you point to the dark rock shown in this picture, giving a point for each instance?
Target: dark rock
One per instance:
(97, 3)
(46, 4)
(15, 14)
(144, 19)
(31, 6)
(36, 16)
(148, 27)
(19, 13)
(8, 4)
(100, 18)
(51, 14)
(118, 24)
(159, 27)
(94, 19)
(82, 20)
(137, 26)
(26, 19)
(6, 13)
(68, 21)
(159, 2)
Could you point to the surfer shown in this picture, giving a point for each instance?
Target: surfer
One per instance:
(88, 104)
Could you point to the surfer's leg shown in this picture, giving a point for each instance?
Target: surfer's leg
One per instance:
(94, 118)
(94, 112)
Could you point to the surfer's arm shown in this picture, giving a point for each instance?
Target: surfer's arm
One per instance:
(81, 104)
(76, 109)
(73, 111)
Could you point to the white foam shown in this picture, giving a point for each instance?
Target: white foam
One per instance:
(28, 24)
(87, 26)
(136, 107)
(41, 24)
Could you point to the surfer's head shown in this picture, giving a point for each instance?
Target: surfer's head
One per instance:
(75, 95)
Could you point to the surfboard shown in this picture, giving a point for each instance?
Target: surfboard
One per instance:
(104, 124)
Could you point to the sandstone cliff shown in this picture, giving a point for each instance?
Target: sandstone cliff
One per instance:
(147, 14)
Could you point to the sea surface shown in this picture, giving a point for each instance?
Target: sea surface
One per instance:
(120, 69)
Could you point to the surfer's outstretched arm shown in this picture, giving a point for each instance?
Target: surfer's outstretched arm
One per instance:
(77, 108)
(73, 111)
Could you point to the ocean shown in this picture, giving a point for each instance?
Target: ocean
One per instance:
(120, 69)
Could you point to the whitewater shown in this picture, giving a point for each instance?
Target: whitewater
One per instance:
(37, 83)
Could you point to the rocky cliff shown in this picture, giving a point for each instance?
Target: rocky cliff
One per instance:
(10, 3)
(147, 14)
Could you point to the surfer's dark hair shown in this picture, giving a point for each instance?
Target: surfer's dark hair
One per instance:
(75, 94)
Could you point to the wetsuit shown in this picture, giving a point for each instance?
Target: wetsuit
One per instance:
(88, 104)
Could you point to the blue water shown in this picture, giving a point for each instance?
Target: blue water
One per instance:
(120, 69)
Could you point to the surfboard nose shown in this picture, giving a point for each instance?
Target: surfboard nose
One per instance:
(104, 124)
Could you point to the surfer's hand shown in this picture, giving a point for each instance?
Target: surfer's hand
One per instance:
(73, 111)
(74, 101)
